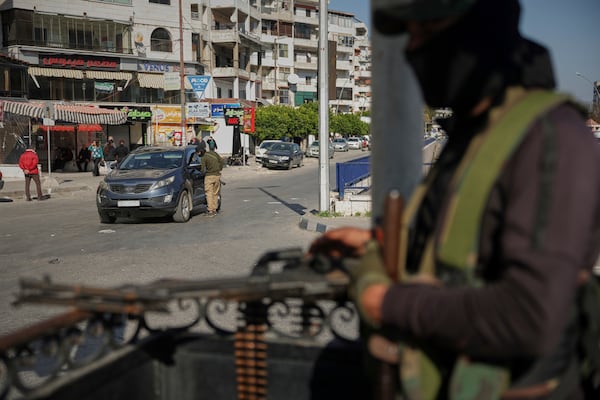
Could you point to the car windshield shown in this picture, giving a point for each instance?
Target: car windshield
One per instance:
(281, 147)
(157, 160)
(339, 140)
(315, 143)
(266, 145)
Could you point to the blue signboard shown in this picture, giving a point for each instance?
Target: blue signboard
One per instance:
(218, 110)
(199, 83)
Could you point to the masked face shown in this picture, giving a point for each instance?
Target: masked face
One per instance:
(460, 63)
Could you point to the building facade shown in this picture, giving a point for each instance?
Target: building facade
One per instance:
(126, 55)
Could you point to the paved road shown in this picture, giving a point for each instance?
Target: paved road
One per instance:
(62, 237)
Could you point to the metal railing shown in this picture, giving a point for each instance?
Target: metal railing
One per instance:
(350, 174)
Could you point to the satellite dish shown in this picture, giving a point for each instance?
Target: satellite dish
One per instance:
(293, 79)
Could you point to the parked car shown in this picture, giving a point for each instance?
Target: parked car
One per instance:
(1, 181)
(340, 144)
(153, 182)
(263, 147)
(283, 155)
(313, 149)
(354, 143)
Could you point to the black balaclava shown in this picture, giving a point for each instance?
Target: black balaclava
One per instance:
(479, 56)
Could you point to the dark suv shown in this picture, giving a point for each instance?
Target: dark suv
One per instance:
(153, 182)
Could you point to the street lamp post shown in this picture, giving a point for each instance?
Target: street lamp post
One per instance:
(579, 74)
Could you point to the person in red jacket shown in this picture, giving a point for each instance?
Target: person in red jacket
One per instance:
(29, 164)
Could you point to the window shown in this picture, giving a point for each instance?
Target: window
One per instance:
(283, 97)
(196, 53)
(283, 50)
(194, 11)
(160, 40)
(160, 1)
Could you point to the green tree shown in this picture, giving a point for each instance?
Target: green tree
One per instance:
(273, 122)
(305, 120)
(348, 125)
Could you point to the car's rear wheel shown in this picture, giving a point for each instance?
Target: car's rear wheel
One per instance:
(184, 209)
(105, 218)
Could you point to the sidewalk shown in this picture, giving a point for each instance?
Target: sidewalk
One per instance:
(57, 182)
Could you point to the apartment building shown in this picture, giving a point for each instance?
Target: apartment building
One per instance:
(128, 53)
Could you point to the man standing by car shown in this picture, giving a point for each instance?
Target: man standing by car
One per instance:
(212, 165)
(28, 162)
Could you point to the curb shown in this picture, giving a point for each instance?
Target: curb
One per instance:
(309, 225)
(323, 224)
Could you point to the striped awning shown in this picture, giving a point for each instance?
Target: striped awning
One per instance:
(108, 75)
(56, 72)
(89, 114)
(80, 114)
(156, 81)
(33, 110)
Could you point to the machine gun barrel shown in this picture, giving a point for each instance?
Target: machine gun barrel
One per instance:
(308, 279)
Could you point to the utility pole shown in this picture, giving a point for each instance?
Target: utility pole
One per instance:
(182, 77)
(323, 108)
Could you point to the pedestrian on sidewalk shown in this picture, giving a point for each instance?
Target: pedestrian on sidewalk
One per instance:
(97, 156)
(83, 158)
(28, 162)
(121, 151)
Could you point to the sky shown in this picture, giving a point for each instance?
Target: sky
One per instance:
(570, 29)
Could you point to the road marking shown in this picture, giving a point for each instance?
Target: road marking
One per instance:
(273, 202)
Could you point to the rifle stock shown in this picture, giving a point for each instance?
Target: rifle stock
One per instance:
(385, 388)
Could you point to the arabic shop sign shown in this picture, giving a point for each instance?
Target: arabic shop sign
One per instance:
(218, 110)
(234, 116)
(78, 61)
(139, 114)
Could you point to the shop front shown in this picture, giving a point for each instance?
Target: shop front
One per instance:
(166, 126)
(55, 131)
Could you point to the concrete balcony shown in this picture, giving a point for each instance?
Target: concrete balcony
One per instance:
(312, 66)
(343, 65)
(230, 72)
(306, 88)
(362, 74)
(268, 85)
(312, 43)
(313, 20)
(277, 14)
(224, 36)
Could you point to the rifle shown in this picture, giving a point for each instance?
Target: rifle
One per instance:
(309, 279)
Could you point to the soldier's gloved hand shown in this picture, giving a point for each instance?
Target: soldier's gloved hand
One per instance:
(369, 282)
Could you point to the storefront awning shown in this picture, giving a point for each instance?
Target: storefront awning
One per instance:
(80, 114)
(56, 72)
(89, 115)
(33, 110)
(108, 75)
(71, 128)
(58, 128)
(155, 81)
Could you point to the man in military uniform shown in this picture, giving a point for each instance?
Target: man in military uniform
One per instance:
(507, 227)
(211, 164)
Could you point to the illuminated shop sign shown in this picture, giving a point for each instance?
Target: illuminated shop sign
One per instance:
(78, 62)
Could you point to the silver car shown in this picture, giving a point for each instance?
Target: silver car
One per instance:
(340, 144)
(354, 143)
(313, 149)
